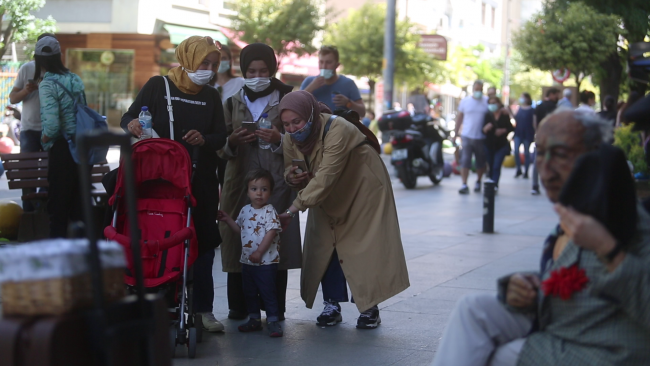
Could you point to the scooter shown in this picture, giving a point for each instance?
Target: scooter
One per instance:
(417, 149)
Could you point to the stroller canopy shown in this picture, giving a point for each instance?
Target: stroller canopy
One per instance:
(155, 159)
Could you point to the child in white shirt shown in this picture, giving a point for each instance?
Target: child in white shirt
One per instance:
(259, 226)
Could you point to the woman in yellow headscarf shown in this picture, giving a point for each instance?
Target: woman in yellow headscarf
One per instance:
(198, 124)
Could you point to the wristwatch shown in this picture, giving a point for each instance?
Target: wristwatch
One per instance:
(291, 214)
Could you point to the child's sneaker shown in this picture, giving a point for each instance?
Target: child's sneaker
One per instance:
(275, 330)
(251, 325)
(331, 315)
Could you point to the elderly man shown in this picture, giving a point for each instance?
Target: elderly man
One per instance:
(606, 321)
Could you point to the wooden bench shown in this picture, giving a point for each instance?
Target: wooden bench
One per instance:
(29, 170)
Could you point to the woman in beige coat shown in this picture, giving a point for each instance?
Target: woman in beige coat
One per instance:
(352, 229)
(261, 94)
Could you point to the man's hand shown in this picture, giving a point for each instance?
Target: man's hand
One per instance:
(31, 87)
(270, 135)
(585, 231)
(256, 257)
(522, 290)
(241, 136)
(340, 100)
(315, 84)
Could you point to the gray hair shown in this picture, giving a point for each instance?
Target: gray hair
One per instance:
(567, 92)
(597, 129)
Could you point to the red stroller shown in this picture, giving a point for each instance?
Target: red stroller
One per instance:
(163, 177)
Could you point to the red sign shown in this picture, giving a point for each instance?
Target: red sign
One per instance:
(435, 45)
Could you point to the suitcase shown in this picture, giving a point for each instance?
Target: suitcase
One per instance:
(133, 331)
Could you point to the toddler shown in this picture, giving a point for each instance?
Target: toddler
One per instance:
(259, 226)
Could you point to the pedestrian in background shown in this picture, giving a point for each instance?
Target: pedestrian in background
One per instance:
(546, 107)
(469, 127)
(524, 132)
(199, 126)
(26, 91)
(631, 99)
(352, 232)
(609, 111)
(587, 102)
(226, 83)
(58, 118)
(262, 93)
(496, 129)
(566, 101)
(335, 91)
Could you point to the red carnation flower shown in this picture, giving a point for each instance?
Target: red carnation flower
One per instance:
(565, 281)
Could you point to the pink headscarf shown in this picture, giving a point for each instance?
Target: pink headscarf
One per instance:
(305, 105)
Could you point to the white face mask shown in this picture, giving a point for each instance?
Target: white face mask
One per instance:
(257, 84)
(200, 77)
(224, 66)
(326, 73)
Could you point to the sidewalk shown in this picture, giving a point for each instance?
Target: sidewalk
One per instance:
(447, 257)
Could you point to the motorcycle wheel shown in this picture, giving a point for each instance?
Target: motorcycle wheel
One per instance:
(407, 175)
(436, 175)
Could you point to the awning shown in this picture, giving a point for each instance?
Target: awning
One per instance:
(179, 33)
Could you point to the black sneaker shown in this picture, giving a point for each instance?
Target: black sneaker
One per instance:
(369, 319)
(526, 175)
(464, 189)
(518, 174)
(535, 192)
(237, 315)
(477, 186)
(331, 315)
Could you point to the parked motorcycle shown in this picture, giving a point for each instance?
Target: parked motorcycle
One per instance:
(417, 146)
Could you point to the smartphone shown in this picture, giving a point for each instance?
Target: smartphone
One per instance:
(302, 167)
(251, 127)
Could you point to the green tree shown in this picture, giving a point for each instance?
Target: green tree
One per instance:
(467, 64)
(360, 41)
(526, 79)
(578, 38)
(285, 25)
(635, 26)
(19, 25)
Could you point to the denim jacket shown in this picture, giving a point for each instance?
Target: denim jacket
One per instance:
(57, 108)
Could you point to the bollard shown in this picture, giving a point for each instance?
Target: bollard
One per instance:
(488, 207)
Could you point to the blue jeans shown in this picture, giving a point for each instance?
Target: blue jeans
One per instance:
(203, 292)
(495, 159)
(518, 142)
(335, 287)
(260, 280)
(30, 141)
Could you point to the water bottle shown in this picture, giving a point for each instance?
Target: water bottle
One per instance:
(264, 123)
(145, 123)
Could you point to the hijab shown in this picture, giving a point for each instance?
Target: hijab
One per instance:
(306, 106)
(190, 54)
(261, 52)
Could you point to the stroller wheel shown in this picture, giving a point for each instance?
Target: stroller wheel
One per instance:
(198, 324)
(172, 341)
(191, 344)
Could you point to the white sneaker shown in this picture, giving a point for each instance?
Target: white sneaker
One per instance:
(210, 323)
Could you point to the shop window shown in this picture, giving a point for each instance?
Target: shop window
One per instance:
(108, 79)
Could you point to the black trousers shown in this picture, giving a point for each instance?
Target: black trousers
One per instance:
(64, 194)
(237, 299)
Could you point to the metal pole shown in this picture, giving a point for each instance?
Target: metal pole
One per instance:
(389, 55)
(488, 207)
(506, 71)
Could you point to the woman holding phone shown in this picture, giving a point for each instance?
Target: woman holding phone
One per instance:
(260, 95)
(352, 229)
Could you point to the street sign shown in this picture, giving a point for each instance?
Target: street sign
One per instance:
(561, 75)
(435, 45)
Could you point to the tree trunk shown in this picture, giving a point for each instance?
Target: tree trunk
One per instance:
(610, 81)
(371, 100)
(7, 36)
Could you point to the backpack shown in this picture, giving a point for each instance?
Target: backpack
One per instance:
(87, 120)
(353, 117)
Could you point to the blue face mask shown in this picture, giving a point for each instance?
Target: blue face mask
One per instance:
(522, 101)
(302, 134)
(493, 107)
(478, 95)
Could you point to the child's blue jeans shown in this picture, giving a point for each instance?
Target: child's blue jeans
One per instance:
(260, 280)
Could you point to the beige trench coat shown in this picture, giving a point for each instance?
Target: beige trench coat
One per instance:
(234, 194)
(351, 209)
